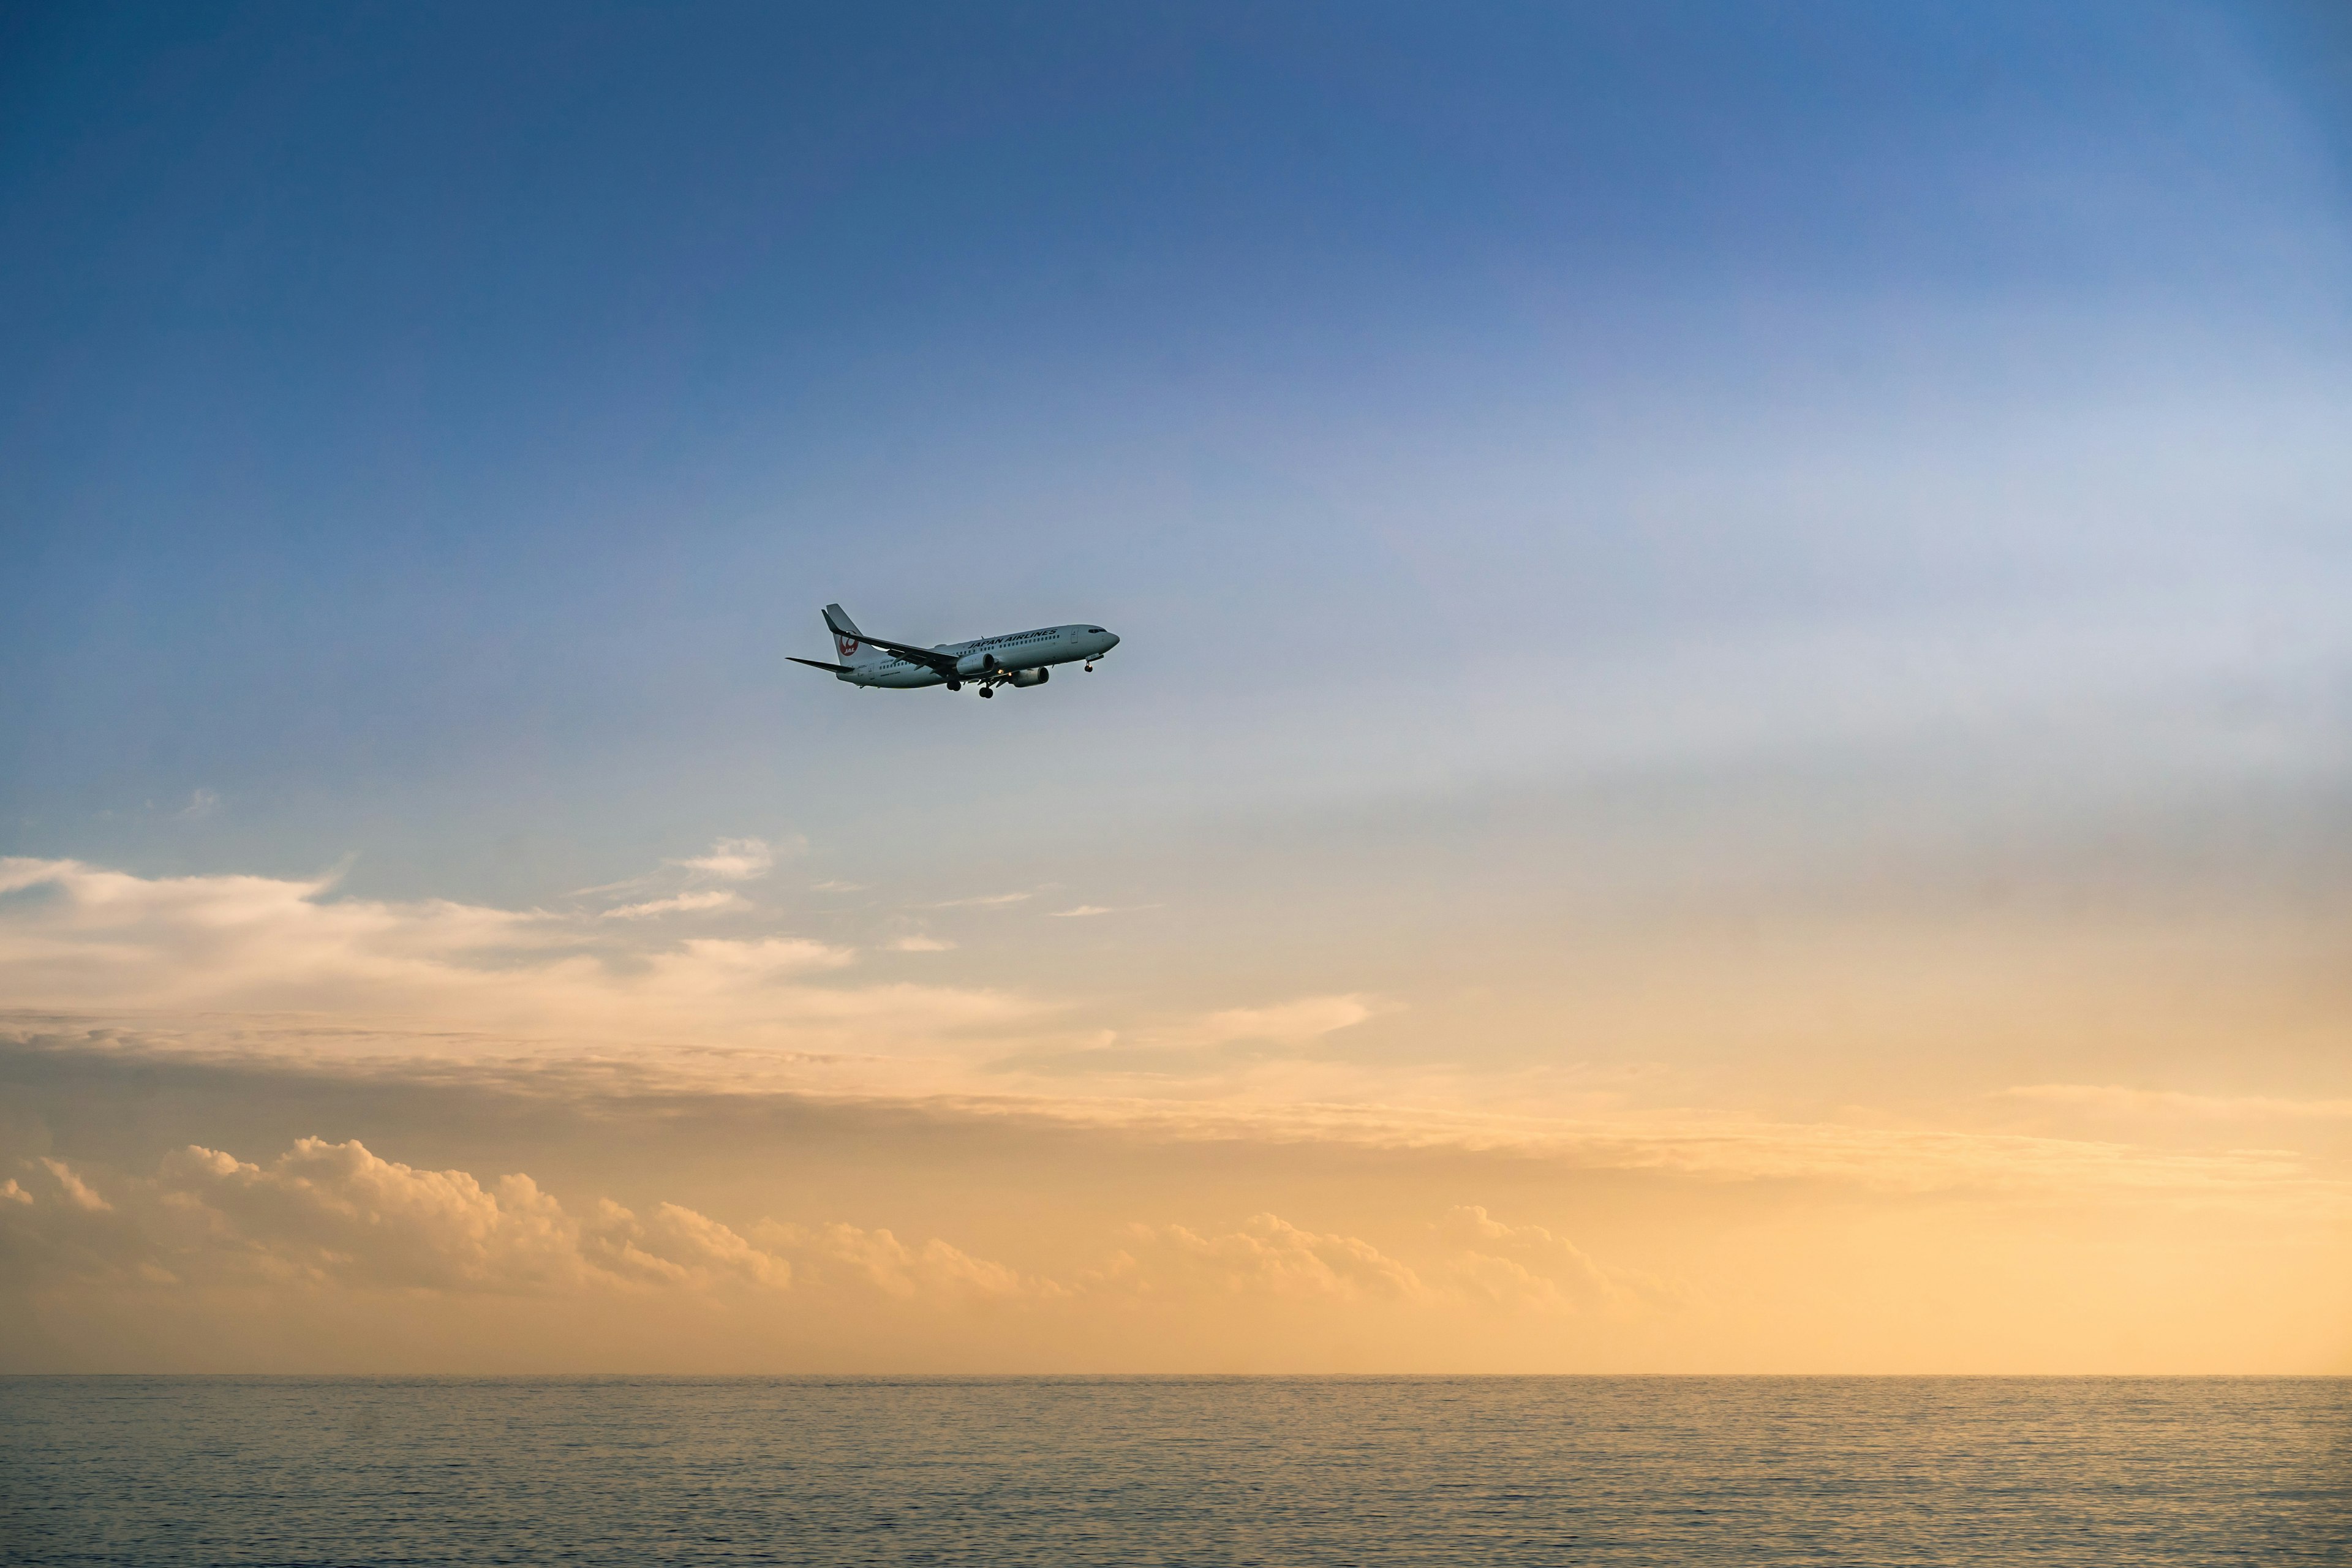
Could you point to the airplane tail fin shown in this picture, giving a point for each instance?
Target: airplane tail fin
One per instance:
(847, 640)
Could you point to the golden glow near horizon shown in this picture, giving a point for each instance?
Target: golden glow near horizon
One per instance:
(592, 1147)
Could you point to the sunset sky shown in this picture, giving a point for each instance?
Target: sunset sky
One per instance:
(1732, 750)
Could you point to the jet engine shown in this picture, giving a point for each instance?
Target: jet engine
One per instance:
(1032, 677)
(974, 664)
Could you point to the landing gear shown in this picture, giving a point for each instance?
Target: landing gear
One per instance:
(955, 685)
(987, 691)
(1090, 669)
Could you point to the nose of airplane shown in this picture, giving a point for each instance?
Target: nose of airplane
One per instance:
(1112, 643)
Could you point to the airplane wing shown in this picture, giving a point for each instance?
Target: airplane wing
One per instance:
(945, 663)
(819, 663)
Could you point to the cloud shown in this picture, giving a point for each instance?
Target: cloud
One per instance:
(1527, 1266)
(201, 804)
(1267, 1257)
(844, 1255)
(717, 964)
(681, 903)
(1081, 912)
(836, 886)
(920, 944)
(338, 1215)
(734, 859)
(74, 936)
(1217, 1046)
(100, 928)
(336, 1212)
(677, 1247)
(727, 860)
(2115, 1100)
(785, 1075)
(1221, 1045)
(986, 901)
(55, 1225)
(326, 1214)
(1289, 1022)
(1482, 1263)
(76, 1192)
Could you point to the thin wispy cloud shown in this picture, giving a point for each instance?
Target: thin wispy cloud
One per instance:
(2113, 1099)
(705, 903)
(626, 885)
(1288, 1023)
(727, 860)
(1714, 1147)
(736, 859)
(983, 902)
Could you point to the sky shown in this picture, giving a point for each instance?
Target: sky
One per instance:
(1732, 749)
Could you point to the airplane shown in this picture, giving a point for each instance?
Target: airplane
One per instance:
(1018, 658)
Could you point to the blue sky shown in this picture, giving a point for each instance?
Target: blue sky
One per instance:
(1783, 559)
(401, 394)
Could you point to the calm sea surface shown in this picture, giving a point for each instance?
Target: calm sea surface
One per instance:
(1069, 1470)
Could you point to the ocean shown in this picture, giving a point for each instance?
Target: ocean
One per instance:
(1570, 1470)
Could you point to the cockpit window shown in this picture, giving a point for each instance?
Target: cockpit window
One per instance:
(1094, 628)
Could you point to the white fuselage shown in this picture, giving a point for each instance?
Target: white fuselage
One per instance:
(983, 658)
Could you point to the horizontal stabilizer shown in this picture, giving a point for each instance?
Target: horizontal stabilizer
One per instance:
(819, 663)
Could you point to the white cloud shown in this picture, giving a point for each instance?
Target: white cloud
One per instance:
(679, 904)
(986, 901)
(1082, 913)
(727, 860)
(920, 944)
(109, 941)
(201, 804)
(734, 859)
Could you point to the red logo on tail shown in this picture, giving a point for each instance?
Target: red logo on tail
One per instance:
(847, 645)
